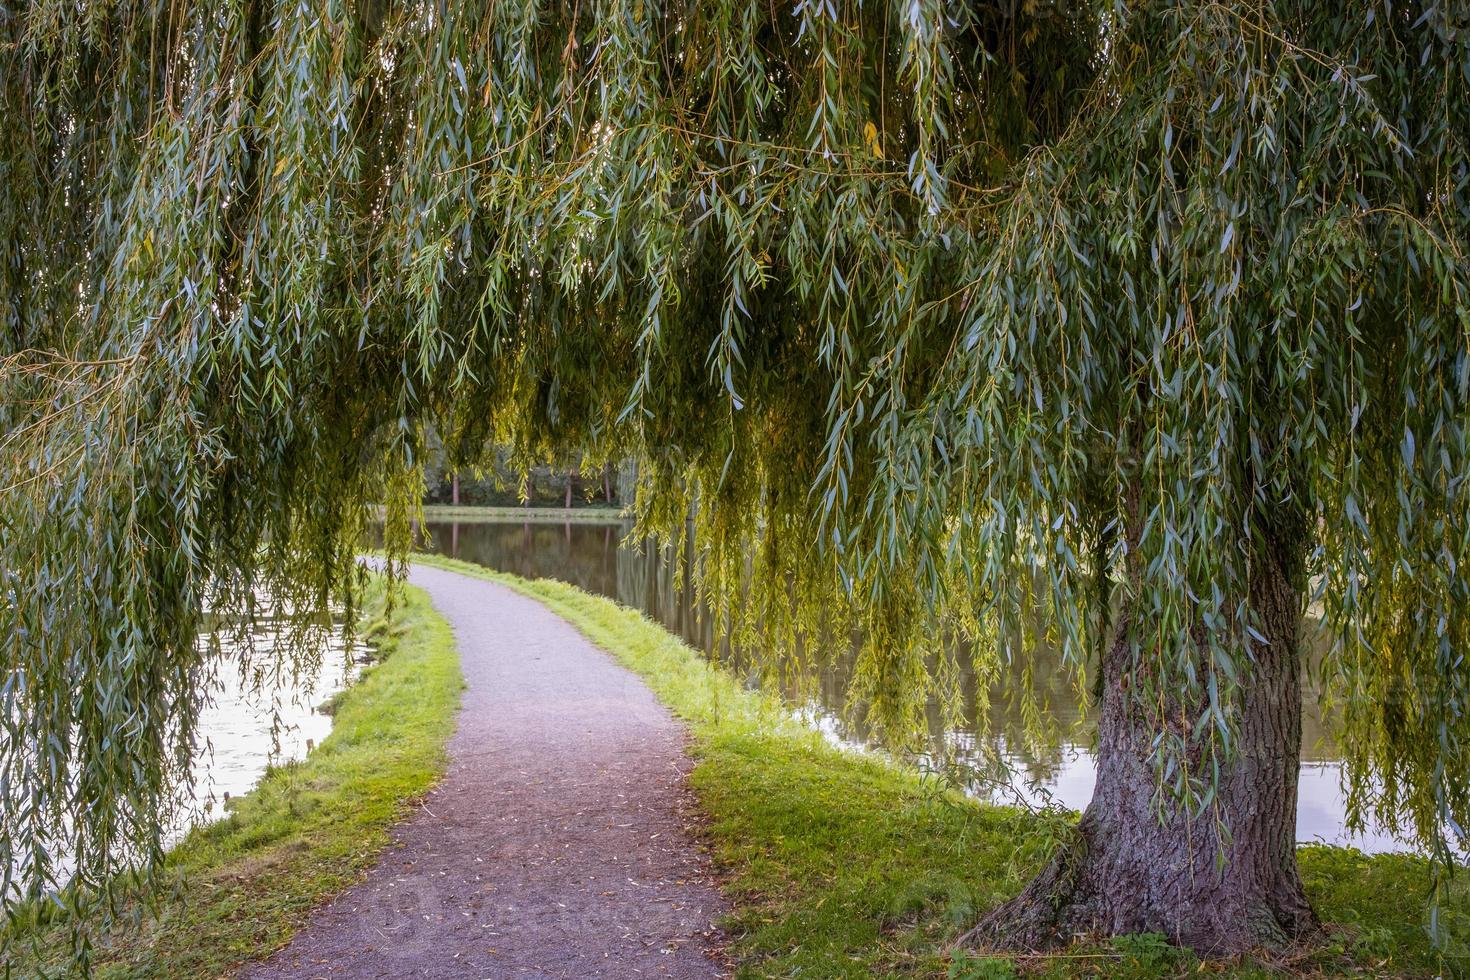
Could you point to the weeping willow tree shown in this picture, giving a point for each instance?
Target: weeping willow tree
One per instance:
(1138, 327)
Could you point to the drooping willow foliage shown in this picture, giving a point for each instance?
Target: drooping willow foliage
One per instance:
(930, 311)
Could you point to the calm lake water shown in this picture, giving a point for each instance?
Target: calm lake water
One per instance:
(251, 721)
(254, 721)
(1057, 765)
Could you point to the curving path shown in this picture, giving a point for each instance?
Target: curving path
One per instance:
(559, 843)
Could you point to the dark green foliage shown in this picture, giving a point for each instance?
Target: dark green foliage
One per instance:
(930, 306)
(499, 481)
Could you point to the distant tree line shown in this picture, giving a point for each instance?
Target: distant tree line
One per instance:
(501, 482)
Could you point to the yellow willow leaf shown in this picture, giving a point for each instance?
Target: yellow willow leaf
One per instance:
(870, 137)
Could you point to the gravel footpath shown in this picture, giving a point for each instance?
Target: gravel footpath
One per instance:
(561, 842)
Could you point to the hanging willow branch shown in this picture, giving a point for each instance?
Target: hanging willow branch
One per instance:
(937, 309)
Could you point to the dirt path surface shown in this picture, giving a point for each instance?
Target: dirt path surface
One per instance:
(558, 843)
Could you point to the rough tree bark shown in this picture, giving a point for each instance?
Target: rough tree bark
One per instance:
(1126, 870)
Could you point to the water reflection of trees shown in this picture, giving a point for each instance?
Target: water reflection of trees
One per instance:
(581, 554)
(1035, 716)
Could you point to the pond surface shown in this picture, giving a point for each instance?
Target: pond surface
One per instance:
(254, 720)
(1054, 764)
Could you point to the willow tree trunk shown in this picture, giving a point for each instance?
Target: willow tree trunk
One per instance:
(1128, 869)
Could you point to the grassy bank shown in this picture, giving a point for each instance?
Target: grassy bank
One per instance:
(312, 827)
(591, 514)
(841, 865)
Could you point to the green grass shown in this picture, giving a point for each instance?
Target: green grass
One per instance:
(840, 864)
(586, 514)
(242, 885)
